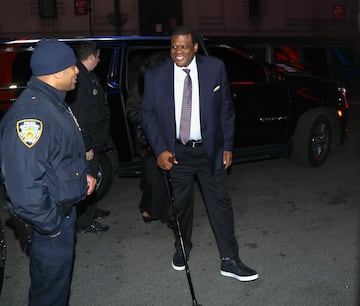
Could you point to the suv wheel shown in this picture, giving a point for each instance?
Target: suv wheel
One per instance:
(312, 139)
(104, 177)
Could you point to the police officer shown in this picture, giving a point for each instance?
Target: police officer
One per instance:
(44, 169)
(88, 103)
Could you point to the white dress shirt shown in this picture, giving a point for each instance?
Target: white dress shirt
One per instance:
(179, 77)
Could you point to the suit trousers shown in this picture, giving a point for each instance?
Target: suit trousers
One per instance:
(51, 264)
(193, 166)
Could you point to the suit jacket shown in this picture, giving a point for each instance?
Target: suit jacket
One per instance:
(217, 115)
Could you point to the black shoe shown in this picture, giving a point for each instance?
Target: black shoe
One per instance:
(100, 213)
(96, 227)
(236, 269)
(178, 263)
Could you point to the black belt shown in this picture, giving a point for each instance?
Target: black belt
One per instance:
(191, 143)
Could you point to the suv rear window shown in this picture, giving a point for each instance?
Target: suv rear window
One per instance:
(239, 68)
(139, 58)
(14, 74)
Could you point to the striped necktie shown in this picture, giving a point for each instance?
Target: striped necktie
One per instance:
(185, 118)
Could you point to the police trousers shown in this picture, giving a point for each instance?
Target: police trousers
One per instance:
(51, 265)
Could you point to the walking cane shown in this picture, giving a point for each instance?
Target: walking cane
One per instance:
(172, 200)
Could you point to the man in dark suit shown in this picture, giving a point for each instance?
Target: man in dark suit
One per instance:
(197, 145)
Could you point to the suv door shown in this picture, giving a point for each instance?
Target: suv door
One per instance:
(260, 98)
(128, 58)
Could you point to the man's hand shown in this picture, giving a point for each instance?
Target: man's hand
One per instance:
(166, 160)
(91, 182)
(227, 159)
(90, 155)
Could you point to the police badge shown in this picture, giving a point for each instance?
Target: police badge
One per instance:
(29, 131)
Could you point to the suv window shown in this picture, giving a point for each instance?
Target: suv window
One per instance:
(14, 74)
(14, 68)
(21, 69)
(342, 56)
(139, 58)
(102, 68)
(286, 54)
(240, 68)
(315, 56)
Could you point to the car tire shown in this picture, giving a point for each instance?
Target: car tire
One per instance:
(312, 139)
(104, 176)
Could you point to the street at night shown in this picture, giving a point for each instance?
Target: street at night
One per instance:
(298, 227)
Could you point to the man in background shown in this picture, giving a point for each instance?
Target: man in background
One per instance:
(88, 103)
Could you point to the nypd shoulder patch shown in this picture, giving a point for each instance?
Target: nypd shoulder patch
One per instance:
(29, 131)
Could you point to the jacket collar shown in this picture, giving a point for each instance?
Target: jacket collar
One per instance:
(52, 95)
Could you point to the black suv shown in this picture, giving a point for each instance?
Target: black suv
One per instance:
(278, 114)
